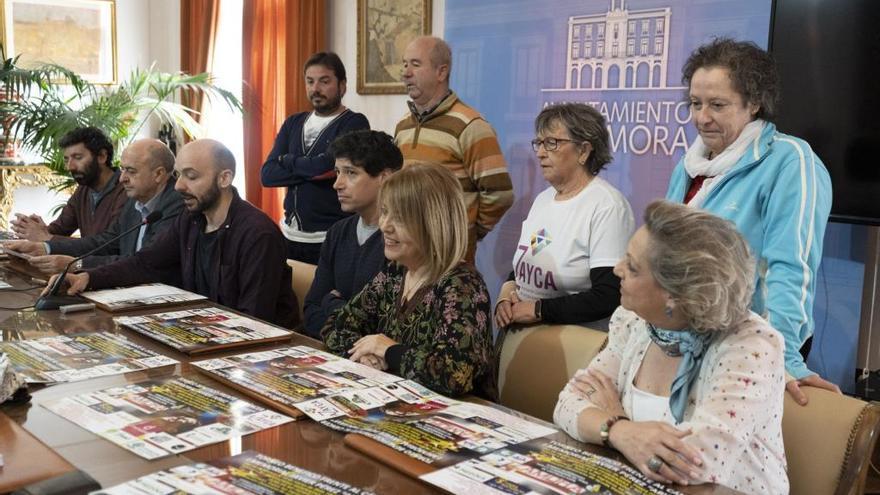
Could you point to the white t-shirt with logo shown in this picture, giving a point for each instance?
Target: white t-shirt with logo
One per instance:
(561, 241)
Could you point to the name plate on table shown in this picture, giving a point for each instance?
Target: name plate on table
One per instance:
(546, 467)
(200, 330)
(69, 358)
(158, 418)
(286, 377)
(140, 297)
(249, 473)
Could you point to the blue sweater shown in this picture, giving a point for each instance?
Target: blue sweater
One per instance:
(308, 173)
(779, 196)
(344, 266)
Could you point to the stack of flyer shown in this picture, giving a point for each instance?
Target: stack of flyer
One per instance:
(68, 358)
(141, 296)
(286, 377)
(158, 418)
(248, 473)
(195, 331)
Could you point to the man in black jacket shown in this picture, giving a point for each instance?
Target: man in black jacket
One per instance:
(146, 167)
(300, 161)
(221, 247)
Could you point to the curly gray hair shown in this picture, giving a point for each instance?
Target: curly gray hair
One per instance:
(752, 71)
(703, 262)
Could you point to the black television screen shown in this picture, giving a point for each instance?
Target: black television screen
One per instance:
(826, 52)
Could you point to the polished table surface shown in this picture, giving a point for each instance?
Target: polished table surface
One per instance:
(303, 443)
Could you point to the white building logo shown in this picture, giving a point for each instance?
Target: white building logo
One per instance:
(617, 62)
(620, 49)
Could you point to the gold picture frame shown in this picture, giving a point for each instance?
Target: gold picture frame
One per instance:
(77, 34)
(384, 28)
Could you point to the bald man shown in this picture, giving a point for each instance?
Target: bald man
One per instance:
(221, 247)
(441, 128)
(146, 166)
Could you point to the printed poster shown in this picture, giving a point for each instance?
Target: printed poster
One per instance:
(203, 329)
(158, 418)
(285, 377)
(421, 424)
(69, 358)
(543, 467)
(249, 473)
(140, 296)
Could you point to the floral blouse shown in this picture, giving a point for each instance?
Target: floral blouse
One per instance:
(735, 405)
(445, 329)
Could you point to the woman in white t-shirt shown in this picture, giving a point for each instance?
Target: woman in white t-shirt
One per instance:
(576, 231)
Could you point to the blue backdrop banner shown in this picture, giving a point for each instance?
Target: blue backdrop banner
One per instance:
(511, 58)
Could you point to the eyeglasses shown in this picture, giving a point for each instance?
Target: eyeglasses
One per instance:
(550, 143)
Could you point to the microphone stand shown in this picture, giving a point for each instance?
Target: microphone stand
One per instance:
(53, 300)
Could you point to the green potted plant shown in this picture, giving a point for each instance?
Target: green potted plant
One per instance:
(46, 102)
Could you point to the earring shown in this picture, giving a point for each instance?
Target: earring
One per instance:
(668, 310)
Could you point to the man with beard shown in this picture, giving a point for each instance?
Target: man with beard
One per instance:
(221, 247)
(98, 198)
(146, 167)
(300, 160)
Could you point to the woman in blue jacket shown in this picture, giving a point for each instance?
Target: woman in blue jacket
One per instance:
(771, 185)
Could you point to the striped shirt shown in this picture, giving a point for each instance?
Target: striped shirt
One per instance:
(456, 136)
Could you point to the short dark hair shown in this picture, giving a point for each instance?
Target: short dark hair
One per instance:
(373, 151)
(752, 71)
(329, 60)
(585, 125)
(92, 138)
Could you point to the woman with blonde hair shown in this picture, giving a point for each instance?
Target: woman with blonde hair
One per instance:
(690, 386)
(426, 316)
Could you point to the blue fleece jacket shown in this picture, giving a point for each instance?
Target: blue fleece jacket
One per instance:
(779, 196)
(308, 172)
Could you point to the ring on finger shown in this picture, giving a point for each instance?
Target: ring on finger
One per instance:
(591, 392)
(655, 463)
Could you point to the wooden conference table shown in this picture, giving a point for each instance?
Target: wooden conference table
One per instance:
(303, 443)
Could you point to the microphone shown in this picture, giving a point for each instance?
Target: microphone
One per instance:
(53, 301)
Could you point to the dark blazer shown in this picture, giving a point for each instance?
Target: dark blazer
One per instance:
(170, 204)
(250, 263)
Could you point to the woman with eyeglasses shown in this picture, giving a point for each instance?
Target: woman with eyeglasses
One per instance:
(576, 230)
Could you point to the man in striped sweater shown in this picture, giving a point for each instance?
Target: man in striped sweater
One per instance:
(441, 128)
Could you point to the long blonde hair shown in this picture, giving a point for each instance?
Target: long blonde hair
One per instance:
(427, 200)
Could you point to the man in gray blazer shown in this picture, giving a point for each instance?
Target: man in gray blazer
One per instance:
(147, 167)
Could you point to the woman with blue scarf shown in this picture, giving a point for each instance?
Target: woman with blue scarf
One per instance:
(690, 386)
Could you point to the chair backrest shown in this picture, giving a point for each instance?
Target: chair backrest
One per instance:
(536, 362)
(303, 274)
(829, 442)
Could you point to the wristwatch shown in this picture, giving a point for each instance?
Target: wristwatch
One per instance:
(605, 429)
(77, 266)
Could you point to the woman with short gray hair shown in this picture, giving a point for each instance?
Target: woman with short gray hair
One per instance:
(690, 385)
(575, 231)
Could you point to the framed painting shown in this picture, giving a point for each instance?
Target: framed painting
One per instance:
(384, 29)
(77, 34)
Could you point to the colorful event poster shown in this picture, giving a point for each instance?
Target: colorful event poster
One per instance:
(69, 358)
(285, 377)
(423, 425)
(158, 418)
(141, 296)
(544, 467)
(249, 473)
(511, 58)
(204, 329)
